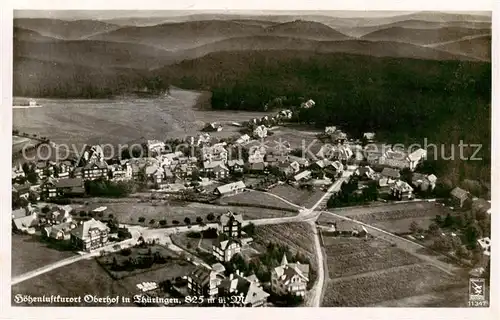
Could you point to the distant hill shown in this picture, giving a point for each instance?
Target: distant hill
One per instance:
(414, 24)
(305, 29)
(423, 36)
(62, 29)
(479, 47)
(373, 48)
(175, 36)
(96, 54)
(21, 34)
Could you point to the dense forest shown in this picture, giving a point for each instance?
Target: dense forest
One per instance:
(403, 100)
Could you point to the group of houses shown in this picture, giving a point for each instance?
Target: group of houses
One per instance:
(57, 224)
(286, 278)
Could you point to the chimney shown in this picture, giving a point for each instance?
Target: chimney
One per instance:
(231, 276)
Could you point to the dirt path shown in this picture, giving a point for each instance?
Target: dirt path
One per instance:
(316, 293)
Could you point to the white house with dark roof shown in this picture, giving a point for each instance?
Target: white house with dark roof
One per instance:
(416, 157)
(423, 181)
(248, 287)
(90, 235)
(230, 189)
(230, 224)
(290, 278)
(401, 190)
(485, 244)
(225, 250)
(203, 281)
(304, 175)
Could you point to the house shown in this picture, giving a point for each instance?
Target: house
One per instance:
(260, 132)
(43, 169)
(60, 231)
(369, 137)
(243, 139)
(423, 181)
(63, 187)
(302, 161)
(485, 244)
(364, 172)
(216, 169)
(285, 114)
(256, 155)
(248, 287)
(335, 152)
(212, 127)
(224, 250)
(155, 147)
(22, 190)
(330, 130)
(416, 157)
(95, 170)
(236, 165)
(230, 189)
(89, 235)
(389, 176)
(273, 159)
(401, 190)
(304, 175)
(158, 176)
(183, 171)
(397, 159)
(230, 224)
(459, 197)
(203, 281)
(295, 166)
(93, 154)
(290, 278)
(59, 214)
(214, 153)
(308, 104)
(24, 219)
(17, 172)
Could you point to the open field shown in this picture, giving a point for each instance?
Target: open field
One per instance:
(29, 253)
(128, 212)
(74, 280)
(389, 284)
(301, 197)
(350, 256)
(121, 120)
(258, 198)
(302, 240)
(396, 218)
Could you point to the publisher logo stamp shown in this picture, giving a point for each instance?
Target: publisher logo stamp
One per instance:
(477, 289)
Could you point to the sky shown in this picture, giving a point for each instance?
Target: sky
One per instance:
(110, 14)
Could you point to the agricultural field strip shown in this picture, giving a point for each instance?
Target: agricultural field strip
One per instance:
(366, 260)
(405, 244)
(375, 272)
(269, 233)
(380, 286)
(395, 215)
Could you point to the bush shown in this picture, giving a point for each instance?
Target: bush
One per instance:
(175, 222)
(199, 219)
(187, 221)
(152, 221)
(210, 217)
(126, 252)
(141, 219)
(163, 222)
